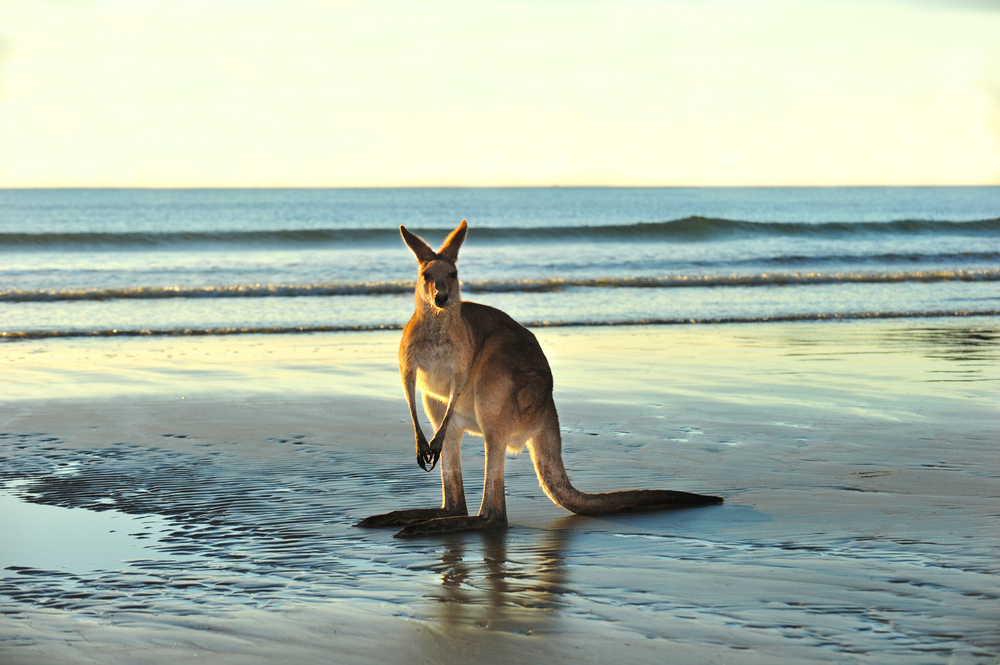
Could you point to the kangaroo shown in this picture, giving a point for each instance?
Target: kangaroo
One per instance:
(481, 372)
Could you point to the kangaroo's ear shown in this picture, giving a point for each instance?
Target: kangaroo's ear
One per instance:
(449, 250)
(420, 249)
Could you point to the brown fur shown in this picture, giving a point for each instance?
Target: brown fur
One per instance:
(481, 372)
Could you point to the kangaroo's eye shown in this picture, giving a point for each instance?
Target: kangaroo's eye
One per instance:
(453, 275)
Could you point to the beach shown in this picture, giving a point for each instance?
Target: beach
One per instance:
(191, 499)
(759, 245)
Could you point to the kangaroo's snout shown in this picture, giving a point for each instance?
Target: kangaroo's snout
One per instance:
(441, 293)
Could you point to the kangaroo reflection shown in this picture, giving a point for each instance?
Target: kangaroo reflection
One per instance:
(503, 580)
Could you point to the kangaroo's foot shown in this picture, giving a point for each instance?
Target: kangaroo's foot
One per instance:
(451, 525)
(411, 516)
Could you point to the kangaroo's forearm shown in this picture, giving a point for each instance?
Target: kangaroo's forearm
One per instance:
(410, 389)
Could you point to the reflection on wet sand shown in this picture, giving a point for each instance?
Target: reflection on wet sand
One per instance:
(965, 345)
(484, 586)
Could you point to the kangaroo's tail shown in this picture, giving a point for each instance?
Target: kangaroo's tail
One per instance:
(546, 453)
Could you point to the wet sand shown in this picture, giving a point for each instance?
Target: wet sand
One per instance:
(190, 500)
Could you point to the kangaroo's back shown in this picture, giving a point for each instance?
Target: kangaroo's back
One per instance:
(507, 348)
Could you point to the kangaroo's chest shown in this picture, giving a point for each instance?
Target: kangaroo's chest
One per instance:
(439, 355)
(440, 349)
(435, 369)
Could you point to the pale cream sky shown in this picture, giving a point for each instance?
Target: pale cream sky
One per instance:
(251, 93)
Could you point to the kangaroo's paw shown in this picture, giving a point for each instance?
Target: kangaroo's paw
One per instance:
(451, 525)
(428, 453)
(403, 517)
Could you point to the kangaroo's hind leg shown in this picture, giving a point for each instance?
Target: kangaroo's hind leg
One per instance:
(452, 489)
(492, 512)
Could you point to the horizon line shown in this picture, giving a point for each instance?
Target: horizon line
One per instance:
(588, 186)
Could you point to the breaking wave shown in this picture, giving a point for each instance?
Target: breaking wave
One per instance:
(284, 330)
(680, 230)
(500, 286)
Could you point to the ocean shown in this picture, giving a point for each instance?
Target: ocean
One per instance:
(102, 262)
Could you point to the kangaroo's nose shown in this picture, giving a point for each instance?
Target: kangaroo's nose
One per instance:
(440, 293)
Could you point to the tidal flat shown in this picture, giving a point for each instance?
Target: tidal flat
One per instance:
(191, 499)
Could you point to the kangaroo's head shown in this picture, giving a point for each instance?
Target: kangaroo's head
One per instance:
(437, 286)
